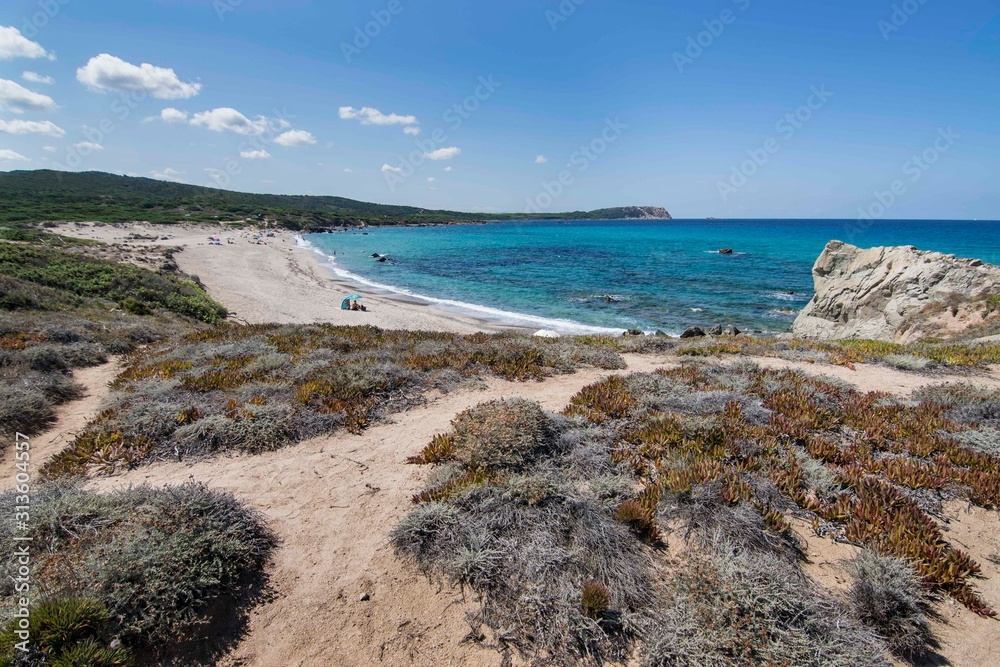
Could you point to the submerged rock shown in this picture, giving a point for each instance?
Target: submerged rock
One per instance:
(895, 294)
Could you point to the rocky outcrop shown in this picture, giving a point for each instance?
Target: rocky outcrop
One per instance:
(895, 294)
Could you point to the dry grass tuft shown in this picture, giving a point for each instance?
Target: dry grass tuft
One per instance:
(888, 597)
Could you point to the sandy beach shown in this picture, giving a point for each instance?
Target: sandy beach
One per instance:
(275, 281)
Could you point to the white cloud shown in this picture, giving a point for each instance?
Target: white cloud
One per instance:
(88, 146)
(448, 169)
(443, 153)
(35, 77)
(370, 116)
(295, 139)
(168, 174)
(414, 131)
(255, 155)
(431, 179)
(45, 127)
(18, 99)
(389, 169)
(15, 45)
(348, 171)
(49, 149)
(171, 115)
(106, 72)
(226, 119)
(7, 154)
(541, 159)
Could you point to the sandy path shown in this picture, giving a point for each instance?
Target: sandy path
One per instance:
(71, 418)
(869, 377)
(969, 640)
(332, 501)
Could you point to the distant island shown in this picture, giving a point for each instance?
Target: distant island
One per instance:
(56, 196)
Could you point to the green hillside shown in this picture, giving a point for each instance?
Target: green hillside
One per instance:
(44, 196)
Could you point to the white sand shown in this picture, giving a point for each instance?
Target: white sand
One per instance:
(276, 282)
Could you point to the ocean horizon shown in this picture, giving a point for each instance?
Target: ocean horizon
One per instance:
(611, 275)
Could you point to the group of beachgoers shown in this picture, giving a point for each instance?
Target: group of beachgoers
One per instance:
(252, 236)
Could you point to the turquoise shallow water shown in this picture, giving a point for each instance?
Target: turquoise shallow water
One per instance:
(659, 274)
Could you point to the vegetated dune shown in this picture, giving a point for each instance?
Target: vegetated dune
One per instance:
(333, 502)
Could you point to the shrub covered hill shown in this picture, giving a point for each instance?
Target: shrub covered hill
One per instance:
(45, 195)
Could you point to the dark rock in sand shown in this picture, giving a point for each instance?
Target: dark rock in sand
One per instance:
(661, 334)
(634, 332)
(716, 330)
(693, 332)
(731, 331)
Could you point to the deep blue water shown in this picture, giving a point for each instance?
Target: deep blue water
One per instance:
(659, 274)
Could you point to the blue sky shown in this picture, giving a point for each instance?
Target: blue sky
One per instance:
(726, 108)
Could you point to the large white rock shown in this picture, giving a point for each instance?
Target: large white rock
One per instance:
(894, 293)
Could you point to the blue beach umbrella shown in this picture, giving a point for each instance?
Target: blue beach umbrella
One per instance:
(346, 303)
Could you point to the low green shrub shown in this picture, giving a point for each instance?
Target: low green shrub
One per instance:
(65, 632)
(76, 273)
(170, 565)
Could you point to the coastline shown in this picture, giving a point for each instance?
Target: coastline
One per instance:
(278, 282)
(493, 318)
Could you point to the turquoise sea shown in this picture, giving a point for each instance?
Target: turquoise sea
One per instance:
(624, 274)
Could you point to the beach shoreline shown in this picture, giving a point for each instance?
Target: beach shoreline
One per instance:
(278, 280)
